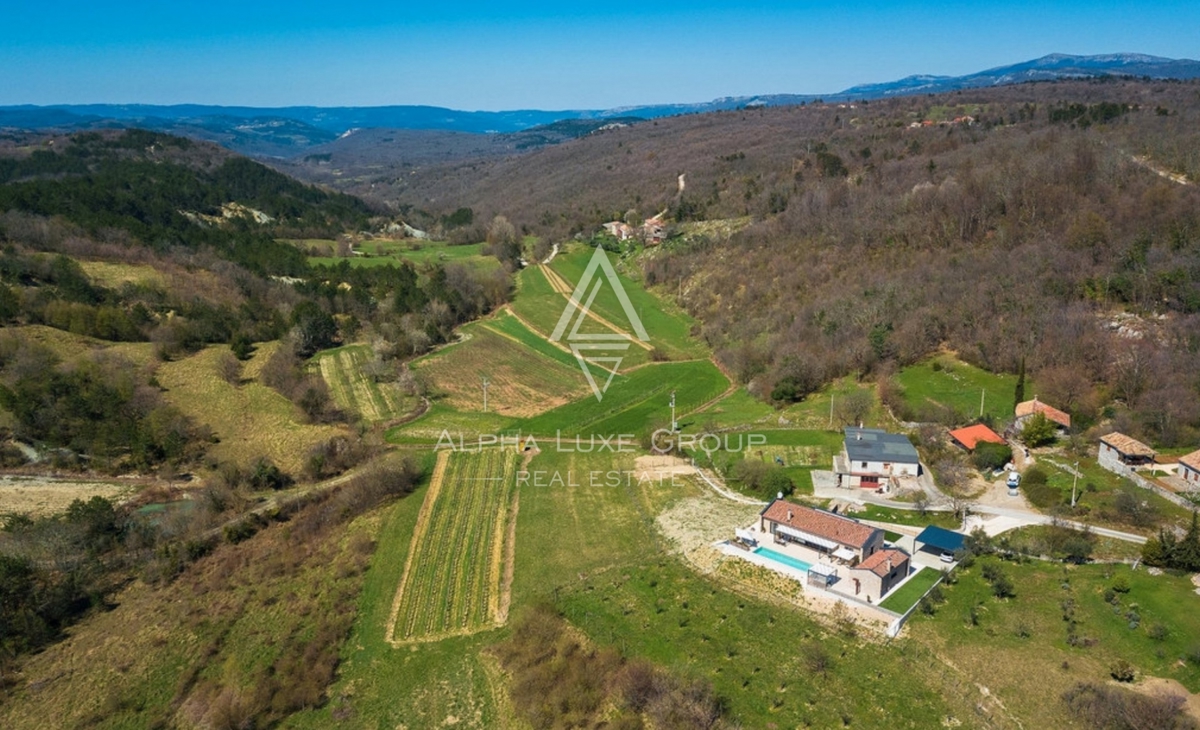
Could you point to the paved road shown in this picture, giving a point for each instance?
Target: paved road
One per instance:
(1015, 516)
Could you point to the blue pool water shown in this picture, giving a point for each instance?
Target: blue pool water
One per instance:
(781, 558)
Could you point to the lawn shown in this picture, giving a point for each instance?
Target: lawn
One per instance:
(908, 594)
(945, 382)
(911, 518)
(1028, 634)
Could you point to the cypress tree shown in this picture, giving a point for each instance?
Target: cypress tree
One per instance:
(1019, 393)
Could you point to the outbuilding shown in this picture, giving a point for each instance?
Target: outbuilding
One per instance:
(1120, 453)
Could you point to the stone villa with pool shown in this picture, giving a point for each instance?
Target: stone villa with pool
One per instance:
(831, 552)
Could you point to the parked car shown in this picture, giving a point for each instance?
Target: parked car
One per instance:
(946, 557)
(1014, 480)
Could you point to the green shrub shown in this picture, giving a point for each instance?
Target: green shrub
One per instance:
(1122, 671)
(989, 456)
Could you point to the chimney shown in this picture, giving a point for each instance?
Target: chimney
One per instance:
(889, 565)
(789, 515)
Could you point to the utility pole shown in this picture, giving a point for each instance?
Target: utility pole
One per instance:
(1074, 479)
(831, 407)
(486, 383)
(674, 423)
(982, 393)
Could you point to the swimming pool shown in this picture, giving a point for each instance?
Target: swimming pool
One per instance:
(784, 559)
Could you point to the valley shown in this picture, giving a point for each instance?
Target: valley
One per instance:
(329, 473)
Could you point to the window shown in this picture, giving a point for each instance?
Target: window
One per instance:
(864, 465)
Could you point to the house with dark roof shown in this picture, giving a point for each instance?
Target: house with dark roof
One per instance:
(1025, 410)
(824, 532)
(871, 579)
(870, 457)
(968, 438)
(1189, 469)
(1121, 454)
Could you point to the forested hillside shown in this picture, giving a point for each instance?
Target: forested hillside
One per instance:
(137, 237)
(1051, 223)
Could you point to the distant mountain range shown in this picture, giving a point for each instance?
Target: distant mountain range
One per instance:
(293, 131)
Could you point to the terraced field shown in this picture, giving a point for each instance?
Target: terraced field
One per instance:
(525, 378)
(343, 370)
(453, 582)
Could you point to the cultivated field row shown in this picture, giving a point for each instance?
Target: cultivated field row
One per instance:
(451, 583)
(352, 389)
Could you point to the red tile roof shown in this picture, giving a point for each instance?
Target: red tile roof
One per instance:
(843, 530)
(1126, 445)
(877, 563)
(1192, 460)
(972, 435)
(1030, 407)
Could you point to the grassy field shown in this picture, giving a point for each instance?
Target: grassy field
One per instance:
(523, 380)
(814, 411)
(634, 402)
(355, 391)
(451, 584)
(945, 381)
(505, 323)
(114, 275)
(771, 665)
(908, 594)
(425, 685)
(250, 419)
(419, 253)
(1028, 634)
(669, 327)
(737, 410)
(69, 346)
(541, 306)
(1096, 494)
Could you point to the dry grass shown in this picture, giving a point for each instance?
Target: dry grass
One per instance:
(202, 651)
(69, 346)
(38, 496)
(114, 275)
(251, 420)
(168, 276)
(353, 390)
(522, 383)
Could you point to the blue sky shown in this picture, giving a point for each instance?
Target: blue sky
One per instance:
(547, 55)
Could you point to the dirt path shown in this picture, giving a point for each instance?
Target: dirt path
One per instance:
(563, 287)
(510, 559)
(1161, 172)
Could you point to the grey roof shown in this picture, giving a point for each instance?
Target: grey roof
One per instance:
(873, 444)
